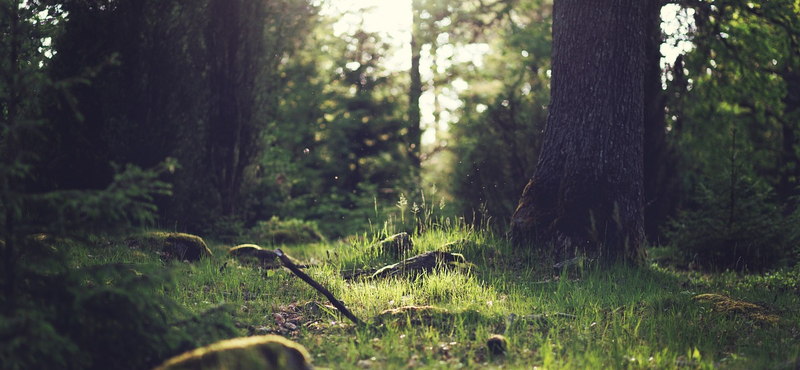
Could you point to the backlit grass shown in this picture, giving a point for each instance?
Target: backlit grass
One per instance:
(648, 317)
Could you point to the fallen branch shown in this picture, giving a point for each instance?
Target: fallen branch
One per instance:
(302, 275)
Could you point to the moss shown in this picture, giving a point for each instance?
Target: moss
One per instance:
(725, 304)
(258, 352)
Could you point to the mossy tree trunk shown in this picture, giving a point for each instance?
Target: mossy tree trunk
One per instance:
(586, 193)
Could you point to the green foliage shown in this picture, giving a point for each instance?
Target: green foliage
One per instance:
(277, 231)
(741, 75)
(105, 316)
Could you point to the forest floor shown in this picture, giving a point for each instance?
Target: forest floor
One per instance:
(583, 317)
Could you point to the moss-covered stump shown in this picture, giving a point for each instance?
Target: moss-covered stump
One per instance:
(422, 263)
(267, 352)
(181, 246)
(253, 254)
(396, 245)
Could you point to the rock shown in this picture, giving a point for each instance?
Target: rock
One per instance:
(257, 352)
(186, 247)
(181, 246)
(497, 345)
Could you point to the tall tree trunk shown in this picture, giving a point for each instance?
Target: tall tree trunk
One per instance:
(586, 193)
(415, 90)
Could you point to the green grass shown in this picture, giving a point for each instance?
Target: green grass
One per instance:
(589, 317)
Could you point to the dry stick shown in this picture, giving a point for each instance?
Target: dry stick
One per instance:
(302, 275)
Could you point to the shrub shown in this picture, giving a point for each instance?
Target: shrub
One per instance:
(744, 230)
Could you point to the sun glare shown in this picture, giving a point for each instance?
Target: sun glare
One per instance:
(391, 19)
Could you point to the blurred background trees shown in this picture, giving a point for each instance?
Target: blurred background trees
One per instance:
(273, 109)
(226, 118)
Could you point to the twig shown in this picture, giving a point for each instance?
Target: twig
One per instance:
(302, 275)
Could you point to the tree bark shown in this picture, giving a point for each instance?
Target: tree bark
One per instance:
(586, 193)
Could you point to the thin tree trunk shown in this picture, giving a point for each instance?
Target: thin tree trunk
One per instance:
(660, 166)
(789, 163)
(586, 193)
(415, 91)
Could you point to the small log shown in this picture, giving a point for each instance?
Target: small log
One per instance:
(287, 262)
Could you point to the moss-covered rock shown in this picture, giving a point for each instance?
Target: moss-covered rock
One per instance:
(251, 253)
(181, 246)
(497, 345)
(271, 352)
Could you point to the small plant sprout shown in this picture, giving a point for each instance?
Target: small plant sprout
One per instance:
(402, 204)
